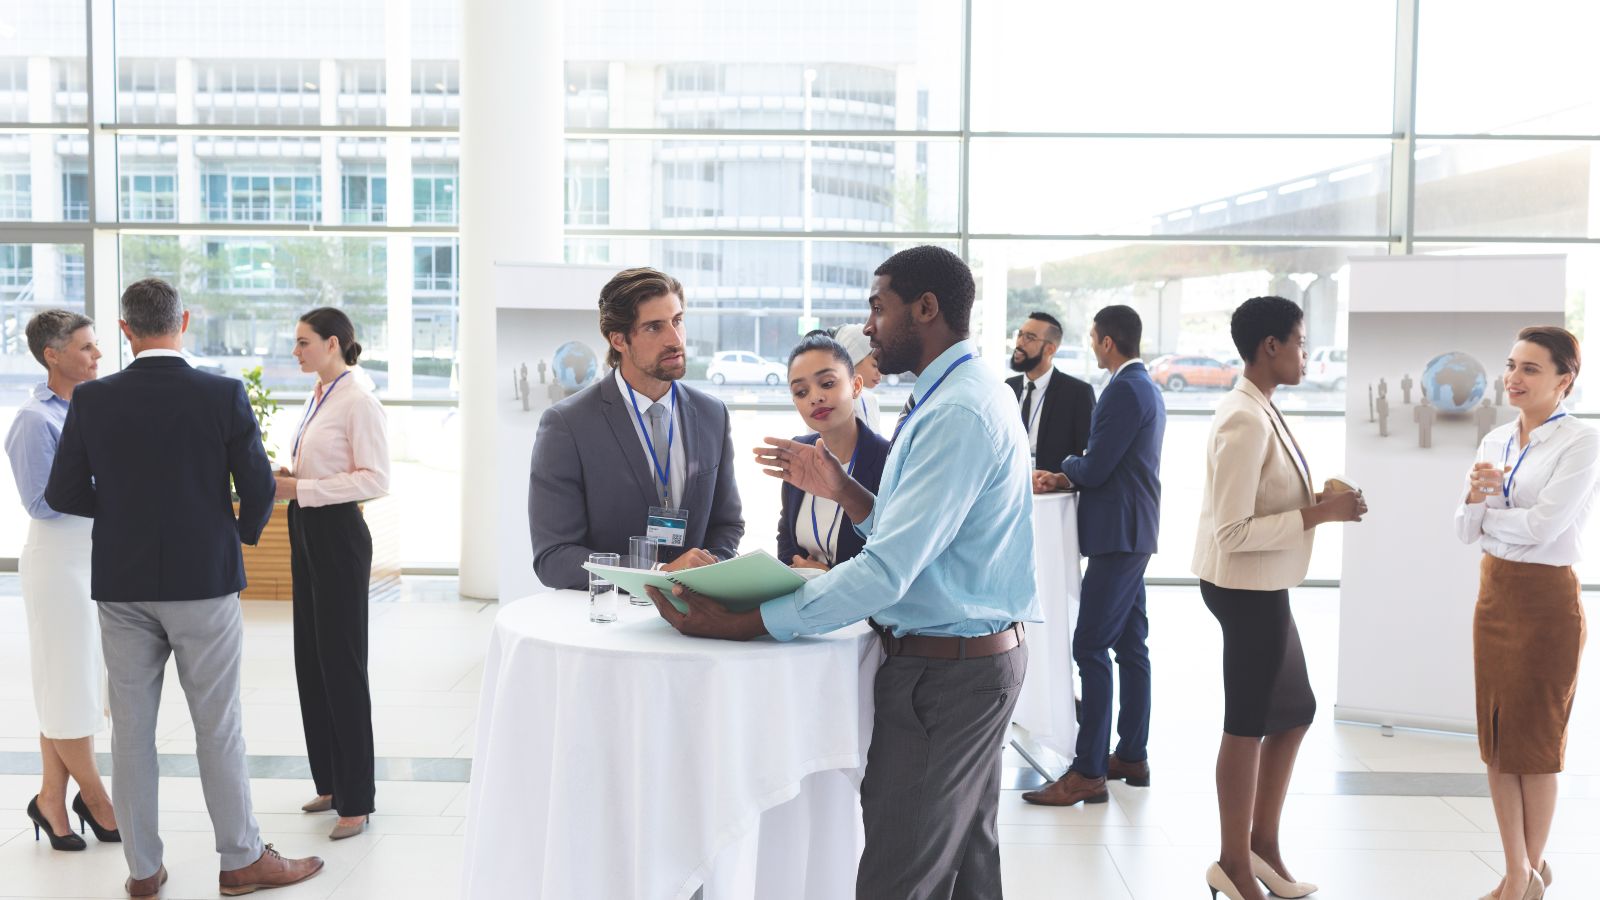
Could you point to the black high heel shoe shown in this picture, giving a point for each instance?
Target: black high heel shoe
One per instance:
(68, 841)
(103, 835)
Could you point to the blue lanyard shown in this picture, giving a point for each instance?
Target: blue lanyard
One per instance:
(916, 406)
(311, 413)
(1505, 489)
(665, 474)
(837, 511)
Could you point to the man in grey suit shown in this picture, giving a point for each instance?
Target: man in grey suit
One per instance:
(636, 452)
(148, 453)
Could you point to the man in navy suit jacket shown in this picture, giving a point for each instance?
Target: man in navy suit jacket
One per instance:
(1119, 511)
(148, 453)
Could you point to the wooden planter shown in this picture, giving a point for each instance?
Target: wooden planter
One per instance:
(267, 569)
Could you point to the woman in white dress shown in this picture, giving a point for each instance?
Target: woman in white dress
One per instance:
(63, 626)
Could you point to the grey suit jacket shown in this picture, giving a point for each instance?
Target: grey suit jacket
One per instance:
(592, 488)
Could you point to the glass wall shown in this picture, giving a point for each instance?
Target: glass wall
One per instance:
(771, 154)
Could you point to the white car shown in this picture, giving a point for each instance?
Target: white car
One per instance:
(744, 367)
(1327, 368)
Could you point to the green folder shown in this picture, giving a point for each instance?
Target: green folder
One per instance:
(740, 584)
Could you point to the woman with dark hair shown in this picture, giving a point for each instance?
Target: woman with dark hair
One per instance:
(1257, 520)
(814, 532)
(1528, 498)
(339, 458)
(63, 626)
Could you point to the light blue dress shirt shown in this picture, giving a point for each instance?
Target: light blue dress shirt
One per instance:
(31, 446)
(950, 539)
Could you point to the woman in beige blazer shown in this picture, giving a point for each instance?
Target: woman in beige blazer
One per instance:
(1253, 544)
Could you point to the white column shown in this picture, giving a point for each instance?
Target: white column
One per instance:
(512, 113)
(328, 114)
(44, 173)
(397, 171)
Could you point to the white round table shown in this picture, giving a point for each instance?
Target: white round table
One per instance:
(628, 761)
(1045, 707)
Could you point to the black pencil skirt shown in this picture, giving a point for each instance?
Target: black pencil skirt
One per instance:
(1264, 678)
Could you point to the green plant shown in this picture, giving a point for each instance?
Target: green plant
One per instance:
(262, 404)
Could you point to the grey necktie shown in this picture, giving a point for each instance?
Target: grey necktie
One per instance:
(663, 447)
(904, 412)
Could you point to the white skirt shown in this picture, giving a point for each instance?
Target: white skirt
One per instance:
(69, 673)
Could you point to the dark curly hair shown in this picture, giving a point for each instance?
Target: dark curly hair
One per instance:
(1259, 318)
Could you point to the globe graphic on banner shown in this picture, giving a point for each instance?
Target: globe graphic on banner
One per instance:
(1454, 381)
(575, 366)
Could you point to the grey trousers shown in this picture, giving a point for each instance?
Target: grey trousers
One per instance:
(932, 785)
(206, 638)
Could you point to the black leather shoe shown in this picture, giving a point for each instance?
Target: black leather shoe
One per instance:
(102, 834)
(68, 841)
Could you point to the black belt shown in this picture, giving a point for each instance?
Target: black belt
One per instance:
(928, 646)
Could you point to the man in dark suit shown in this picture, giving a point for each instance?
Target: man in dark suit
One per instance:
(633, 442)
(1056, 408)
(1119, 510)
(148, 453)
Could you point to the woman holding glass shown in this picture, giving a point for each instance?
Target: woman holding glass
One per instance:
(339, 458)
(814, 532)
(63, 625)
(1257, 521)
(1528, 498)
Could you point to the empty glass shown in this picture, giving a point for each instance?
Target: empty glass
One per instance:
(602, 593)
(641, 555)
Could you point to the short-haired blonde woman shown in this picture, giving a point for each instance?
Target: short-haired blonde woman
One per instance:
(1527, 500)
(63, 626)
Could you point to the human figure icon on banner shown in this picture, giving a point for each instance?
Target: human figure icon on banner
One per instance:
(1424, 416)
(1405, 389)
(541, 371)
(1383, 389)
(1372, 412)
(525, 398)
(1486, 418)
(1499, 392)
(1383, 415)
(525, 375)
(516, 391)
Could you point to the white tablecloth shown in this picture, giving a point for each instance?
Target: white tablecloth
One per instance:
(1045, 707)
(627, 761)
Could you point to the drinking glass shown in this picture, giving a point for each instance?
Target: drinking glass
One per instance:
(602, 593)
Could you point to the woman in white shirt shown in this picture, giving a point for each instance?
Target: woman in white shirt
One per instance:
(856, 343)
(1528, 498)
(340, 457)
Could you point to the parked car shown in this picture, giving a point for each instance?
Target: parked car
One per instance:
(1177, 373)
(744, 367)
(1327, 368)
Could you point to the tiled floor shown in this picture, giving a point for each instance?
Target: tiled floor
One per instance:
(1373, 817)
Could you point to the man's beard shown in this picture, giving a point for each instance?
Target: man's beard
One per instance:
(1027, 363)
(896, 357)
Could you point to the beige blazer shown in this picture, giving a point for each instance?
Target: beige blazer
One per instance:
(1251, 536)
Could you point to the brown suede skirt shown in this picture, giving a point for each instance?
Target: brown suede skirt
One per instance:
(1527, 637)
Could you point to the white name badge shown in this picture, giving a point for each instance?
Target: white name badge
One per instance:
(667, 526)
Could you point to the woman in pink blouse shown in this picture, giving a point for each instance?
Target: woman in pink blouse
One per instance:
(339, 458)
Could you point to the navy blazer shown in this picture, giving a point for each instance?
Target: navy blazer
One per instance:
(1119, 476)
(871, 453)
(147, 453)
(1065, 420)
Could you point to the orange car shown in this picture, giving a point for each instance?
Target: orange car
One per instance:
(1176, 373)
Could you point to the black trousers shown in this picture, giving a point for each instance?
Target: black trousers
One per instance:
(931, 792)
(332, 564)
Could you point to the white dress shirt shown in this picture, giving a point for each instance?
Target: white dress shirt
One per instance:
(343, 444)
(822, 546)
(641, 403)
(1552, 494)
(1040, 385)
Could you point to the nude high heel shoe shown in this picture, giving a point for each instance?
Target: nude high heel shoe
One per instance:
(1219, 882)
(1276, 884)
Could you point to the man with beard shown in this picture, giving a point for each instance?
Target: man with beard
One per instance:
(947, 577)
(1055, 406)
(635, 453)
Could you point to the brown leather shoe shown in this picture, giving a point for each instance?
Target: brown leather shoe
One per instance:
(146, 888)
(1069, 790)
(1136, 774)
(270, 871)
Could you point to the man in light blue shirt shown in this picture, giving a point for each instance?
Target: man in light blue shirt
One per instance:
(947, 577)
